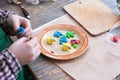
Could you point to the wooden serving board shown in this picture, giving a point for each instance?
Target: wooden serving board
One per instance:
(93, 15)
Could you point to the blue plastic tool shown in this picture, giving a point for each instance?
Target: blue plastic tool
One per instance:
(21, 30)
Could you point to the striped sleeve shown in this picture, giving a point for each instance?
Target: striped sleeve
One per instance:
(9, 66)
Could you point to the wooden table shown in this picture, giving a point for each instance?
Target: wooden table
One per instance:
(40, 14)
(77, 73)
(98, 63)
(42, 68)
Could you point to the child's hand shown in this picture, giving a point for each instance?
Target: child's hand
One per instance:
(25, 50)
(15, 21)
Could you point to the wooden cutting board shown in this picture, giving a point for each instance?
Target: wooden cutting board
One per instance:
(94, 16)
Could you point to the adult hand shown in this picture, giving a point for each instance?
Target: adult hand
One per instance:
(15, 21)
(25, 50)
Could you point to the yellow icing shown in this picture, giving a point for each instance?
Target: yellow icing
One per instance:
(50, 40)
(65, 46)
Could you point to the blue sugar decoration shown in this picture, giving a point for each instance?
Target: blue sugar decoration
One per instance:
(63, 39)
(60, 42)
(21, 30)
(58, 34)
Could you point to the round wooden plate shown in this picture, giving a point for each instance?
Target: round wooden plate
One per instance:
(54, 51)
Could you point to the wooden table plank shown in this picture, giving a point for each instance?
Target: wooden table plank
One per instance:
(40, 14)
(44, 69)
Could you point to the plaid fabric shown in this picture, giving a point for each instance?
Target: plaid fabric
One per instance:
(9, 66)
(4, 14)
